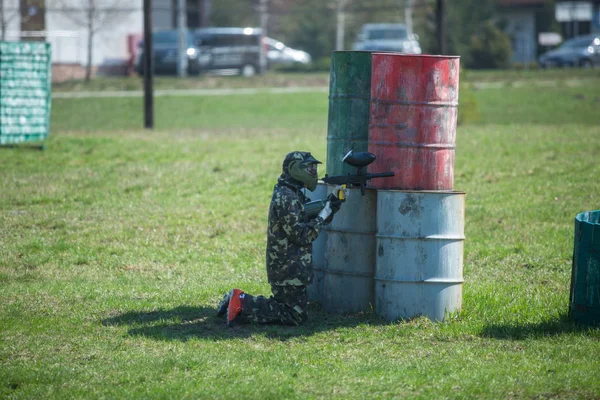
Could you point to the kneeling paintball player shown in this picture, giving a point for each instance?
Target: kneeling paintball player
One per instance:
(289, 249)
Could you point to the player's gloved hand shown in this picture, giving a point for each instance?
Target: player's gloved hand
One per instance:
(341, 192)
(326, 212)
(335, 202)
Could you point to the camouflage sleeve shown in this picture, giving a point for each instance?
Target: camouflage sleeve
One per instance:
(299, 232)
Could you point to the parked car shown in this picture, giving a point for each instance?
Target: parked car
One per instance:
(166, 49)
(280, 54)
(581, 51)
(387, 37)
(229, 50)
(225, 51)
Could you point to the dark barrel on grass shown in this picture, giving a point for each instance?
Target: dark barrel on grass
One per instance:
(584, 305)
(349, 102)
(413, 114)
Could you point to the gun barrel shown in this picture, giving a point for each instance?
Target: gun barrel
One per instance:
(355, 180)
(340, 179)
(380, 175)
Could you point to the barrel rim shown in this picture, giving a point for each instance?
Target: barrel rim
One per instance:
(583, 217)
(440, 56)
(457, 192)
(353, 51)
(435, 280)
(461, 238)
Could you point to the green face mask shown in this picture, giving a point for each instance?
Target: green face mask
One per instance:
(305, 173)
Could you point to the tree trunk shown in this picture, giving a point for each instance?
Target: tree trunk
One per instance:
(90, 42)
(263, 9)
(2, 21)
(206, 10)
(441, 26)
(90, 47)
(408, 15)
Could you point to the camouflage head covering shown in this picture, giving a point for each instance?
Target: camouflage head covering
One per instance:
(296, 165)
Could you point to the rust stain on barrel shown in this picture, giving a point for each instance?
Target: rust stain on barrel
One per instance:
(413, 113)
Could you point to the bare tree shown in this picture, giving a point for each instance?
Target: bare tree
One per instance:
(7, 15)
(94, 18)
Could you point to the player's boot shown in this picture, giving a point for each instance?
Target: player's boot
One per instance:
(234, 309)
(222, 307)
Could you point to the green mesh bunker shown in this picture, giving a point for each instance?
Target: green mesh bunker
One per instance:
(25, 82)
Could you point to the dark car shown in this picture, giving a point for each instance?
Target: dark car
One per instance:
(581, 51)
(229, 50)
(166, 50)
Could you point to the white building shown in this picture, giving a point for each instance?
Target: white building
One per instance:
(65, 24)
(67, 29)
(117, 27)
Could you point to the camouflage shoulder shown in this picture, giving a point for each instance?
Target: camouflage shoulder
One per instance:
(285, 193)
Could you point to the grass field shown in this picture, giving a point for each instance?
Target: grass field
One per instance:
(272, 79)
(277, 79)
(117, 243)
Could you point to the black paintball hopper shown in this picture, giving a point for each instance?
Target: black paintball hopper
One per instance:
(359, 159)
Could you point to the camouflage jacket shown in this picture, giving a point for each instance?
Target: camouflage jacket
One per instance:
(289, 236)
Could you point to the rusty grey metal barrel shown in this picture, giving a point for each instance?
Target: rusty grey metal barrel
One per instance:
(315, 289)
(350, 254)
(349, 105)
(419, 262)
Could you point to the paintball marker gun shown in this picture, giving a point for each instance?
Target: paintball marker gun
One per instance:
(313, 208)
(359, 160)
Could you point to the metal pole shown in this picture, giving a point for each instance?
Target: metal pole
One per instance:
(2, 19)
(263, 27)
(408, 16)
(148, 70)
(573, 22)
(441, 26)
(206, 10)
(181, 28)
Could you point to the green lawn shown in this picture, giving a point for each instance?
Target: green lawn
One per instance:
(532, 74)
(306, 112)
(278, 79)
(117, 243)
(270, 79)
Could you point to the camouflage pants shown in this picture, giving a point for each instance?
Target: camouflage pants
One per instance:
(287, 306)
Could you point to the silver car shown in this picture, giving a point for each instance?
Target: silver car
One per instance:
(387, 37)
(280, 54)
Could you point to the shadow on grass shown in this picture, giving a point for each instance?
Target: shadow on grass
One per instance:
(185, 322)
(562, 325)
(24, 146)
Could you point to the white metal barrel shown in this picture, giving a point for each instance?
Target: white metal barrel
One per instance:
(315, 289)
(420, 244)
(350, 254)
